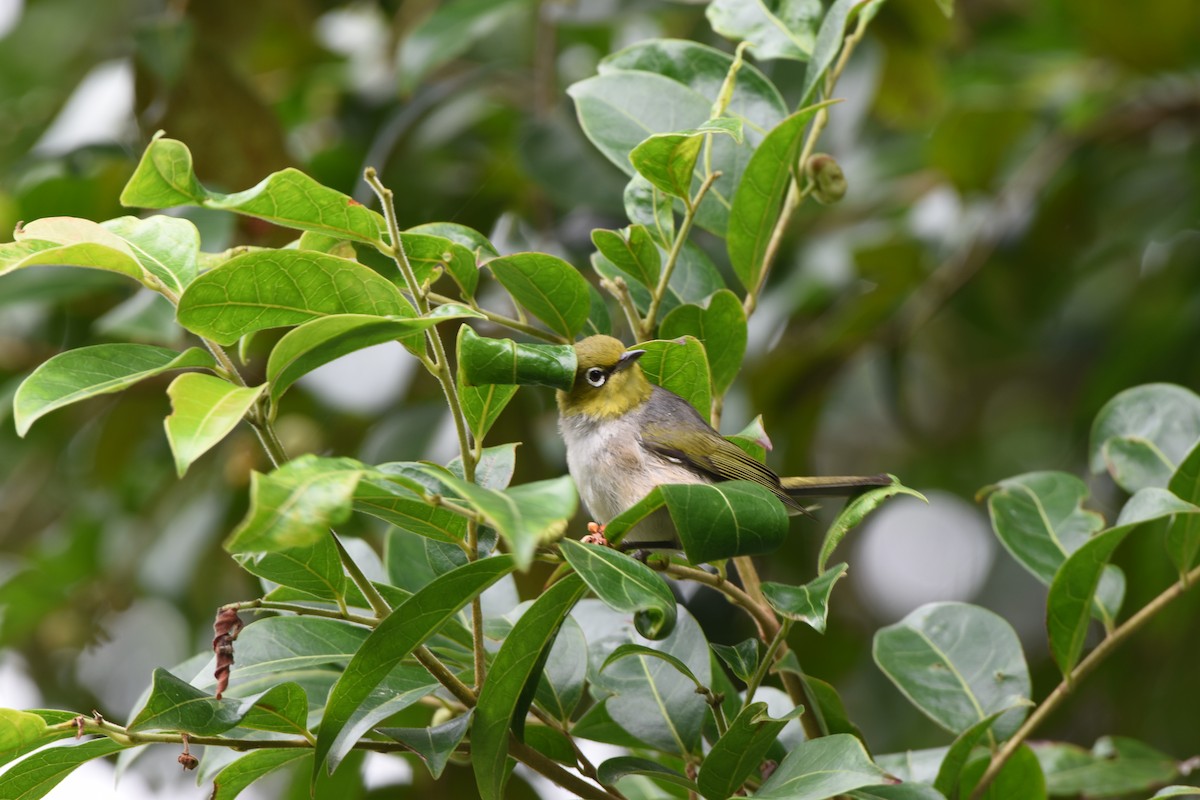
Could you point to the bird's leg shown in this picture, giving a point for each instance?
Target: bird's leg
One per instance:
(595, 535)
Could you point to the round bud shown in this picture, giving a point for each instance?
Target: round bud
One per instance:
(828, 180)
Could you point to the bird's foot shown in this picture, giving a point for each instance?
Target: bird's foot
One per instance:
(595, 535)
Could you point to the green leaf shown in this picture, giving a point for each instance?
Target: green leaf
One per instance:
(632, 250)
(630, 649)
(650, 207)
(1072, 592)
(668, 160)
(957, 663)
(24, 731)
(447, 32)
(1040, 519)
(482, 404)
(1183, 537)
(245, 770)
(829, 705)
(950, 772)
(160, 253)
(680, 366)
(495, 467)
(525, 516)
(483, 361)
(204, 410)
(324, 339)
(314, 569)
(739, 752)
(89, 371)
(434, 745)
(856, 510)
(404, 508)
(776, 28)
(561, 686)
(898, 791)
(753, 440)
(829, 43)
(1021, 777)
(741, 658)
(759, 198)
(548, 287)
(653, 702)
(1143, 433)
(619, 767)
(276, 288)
(164, 178)
(822, 768)
(468, 237)
(37, 774)
(511, 681)
(1116, 766)
(624, 584)
(401, 632)
(296, 504)
(808, 603)
(430, 256)
(175, 705)
(1177, 791)
(720, 327)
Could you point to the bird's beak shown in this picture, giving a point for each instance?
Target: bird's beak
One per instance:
(628, 359)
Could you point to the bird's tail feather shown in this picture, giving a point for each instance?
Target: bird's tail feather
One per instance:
(833, 485)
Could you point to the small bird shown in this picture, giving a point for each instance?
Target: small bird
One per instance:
(624, 436)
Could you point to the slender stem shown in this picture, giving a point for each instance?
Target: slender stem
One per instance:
(102, 727)
(380, 606)
(305, 611)
(445, 677)
(619, 289)
(586, 767)
(685, 227)
(572, 783)
(714, 702)
(768, 659)
(1089, 663)
(501, 319)
(766, 622)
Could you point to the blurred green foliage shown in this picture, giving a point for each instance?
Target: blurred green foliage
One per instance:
(1019, 242)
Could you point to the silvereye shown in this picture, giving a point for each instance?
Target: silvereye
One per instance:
(625, 436)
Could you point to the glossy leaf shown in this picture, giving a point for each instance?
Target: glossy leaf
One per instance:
(652, 208)
(482, 405)
(1021, 777)
(1040, 519)
(1115, 766)
(245, 770)
(898, 791)
(822, 768)
(401, 632)
(624, 584)
(430, 256)
(668, 160)
(405, 508)
(24, 731)
(828, 43)
(434, 745)
(739, 752)
(619, 767)
(652, 701)
(38, 773)
(560, 687)
(90, 371)
(1142, 434)
(632, 649)
(1183, 537)
(680, 366)
(741, 658)
(525, 516)
(777, 29)
(757, 204)
(720, 327)
(632, 250)
(855, 511)
(511, 681)
(829, 706)
(957, 663)
(1176, 791)
(175, 705)
(324, 339)
(468, 237)
(753, 440)
(160, 253)
(276, 288)
(314, 569)
(483, 361)
(1069, 604)
(165, 178)
(548, 287)
(204, 410)
(295, 505)
(950, 772)
(808, 603)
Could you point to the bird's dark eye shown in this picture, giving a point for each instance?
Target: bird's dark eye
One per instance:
(596, 377)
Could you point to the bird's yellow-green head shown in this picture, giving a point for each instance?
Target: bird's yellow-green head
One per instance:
(608, 381)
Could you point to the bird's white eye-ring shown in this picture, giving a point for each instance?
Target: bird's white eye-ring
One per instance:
(596, 377)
